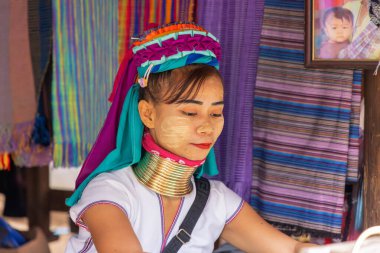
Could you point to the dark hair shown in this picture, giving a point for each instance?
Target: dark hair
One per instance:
(339, 13)
(178, 84)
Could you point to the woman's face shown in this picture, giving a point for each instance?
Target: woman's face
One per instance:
(191, 127)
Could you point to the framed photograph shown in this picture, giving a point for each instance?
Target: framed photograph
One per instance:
(340, 34)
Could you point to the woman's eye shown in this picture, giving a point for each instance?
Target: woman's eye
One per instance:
(216, 115)
(189, 113)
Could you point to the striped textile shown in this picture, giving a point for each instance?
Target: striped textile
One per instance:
(238, 66)
(17, 93)
(40, 34)
(136, 15)
(85, 45)
(354, 138)
(22, 67)
(305, 129)
(39, 153)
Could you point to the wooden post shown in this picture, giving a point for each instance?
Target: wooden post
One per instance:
(371, 149)
(37, 190)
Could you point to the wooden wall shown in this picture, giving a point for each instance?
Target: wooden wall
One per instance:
(371, 149)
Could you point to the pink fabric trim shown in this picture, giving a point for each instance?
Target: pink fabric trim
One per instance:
(165, 237)
(87, 245)
(79, 221)
(237, 211)
(150, 146)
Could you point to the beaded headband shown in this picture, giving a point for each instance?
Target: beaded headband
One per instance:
(172, 46)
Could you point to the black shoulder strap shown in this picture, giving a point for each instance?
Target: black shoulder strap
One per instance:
(184, 233)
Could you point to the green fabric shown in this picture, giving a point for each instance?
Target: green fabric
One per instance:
(177, 61)
(128, 146)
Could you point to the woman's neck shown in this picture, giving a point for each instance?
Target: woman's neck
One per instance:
(164, 176)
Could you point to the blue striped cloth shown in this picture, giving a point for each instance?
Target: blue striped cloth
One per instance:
(306, 130)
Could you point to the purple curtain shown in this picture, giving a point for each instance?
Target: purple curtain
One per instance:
(238, 26)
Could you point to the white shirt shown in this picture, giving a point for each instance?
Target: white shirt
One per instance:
(144, 210)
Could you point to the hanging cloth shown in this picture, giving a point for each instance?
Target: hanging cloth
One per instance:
(303, 124)
(238, 68)
(17, 92)
(85, 63)
(136, 16)
(39, 152)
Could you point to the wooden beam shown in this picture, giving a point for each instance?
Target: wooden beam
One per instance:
(371, 149)
(57, 203)
(37, 190)
(57, 200)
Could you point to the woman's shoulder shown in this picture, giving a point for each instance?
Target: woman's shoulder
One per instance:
(224, 198)
(114, 187)
(216, 184)
(219, 188)
(114, 184)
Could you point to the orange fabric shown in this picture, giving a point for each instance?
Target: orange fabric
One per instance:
(5, 162)
(134, 17)
(167, 30)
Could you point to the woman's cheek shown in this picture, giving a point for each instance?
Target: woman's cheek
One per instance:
(176, 131)
(218, 127)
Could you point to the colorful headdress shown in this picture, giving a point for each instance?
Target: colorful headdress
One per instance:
(118, 144)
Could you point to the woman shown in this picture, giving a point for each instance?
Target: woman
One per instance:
(132, 201)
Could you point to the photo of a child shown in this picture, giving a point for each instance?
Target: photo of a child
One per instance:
(342, 33)
(337, 26)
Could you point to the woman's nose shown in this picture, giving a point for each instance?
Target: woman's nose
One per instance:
(205, 129)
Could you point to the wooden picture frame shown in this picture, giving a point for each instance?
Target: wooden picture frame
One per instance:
(331, 46)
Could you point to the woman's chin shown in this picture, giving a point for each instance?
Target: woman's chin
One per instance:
(197, 157)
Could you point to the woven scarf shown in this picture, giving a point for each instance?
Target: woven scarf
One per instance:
(39, 152)
(305, 130)
(40, 34)
(238, 68)
(17, 91)
(85, 57)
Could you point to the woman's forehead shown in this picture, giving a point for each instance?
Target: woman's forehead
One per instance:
(211, 91)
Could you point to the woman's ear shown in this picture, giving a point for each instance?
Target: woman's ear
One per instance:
(146, 111)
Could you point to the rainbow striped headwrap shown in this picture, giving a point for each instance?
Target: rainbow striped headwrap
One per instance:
(118, 144)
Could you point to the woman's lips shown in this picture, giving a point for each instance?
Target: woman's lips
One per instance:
(202, 145)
